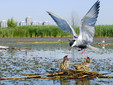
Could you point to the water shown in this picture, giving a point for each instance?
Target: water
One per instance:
(45, 58)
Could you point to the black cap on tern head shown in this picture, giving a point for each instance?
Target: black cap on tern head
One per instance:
(71, 42)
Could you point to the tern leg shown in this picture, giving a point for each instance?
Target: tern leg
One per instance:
(83, 51)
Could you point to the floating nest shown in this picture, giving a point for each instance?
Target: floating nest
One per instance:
(68, 74)
(104, 43)
(16, 48)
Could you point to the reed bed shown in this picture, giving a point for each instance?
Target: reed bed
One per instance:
(104, 31)
(50, 31)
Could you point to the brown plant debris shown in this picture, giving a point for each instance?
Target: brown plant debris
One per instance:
(67, 74)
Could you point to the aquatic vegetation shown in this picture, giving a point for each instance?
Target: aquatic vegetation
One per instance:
(32, 31)
(50, 31)
(104, 31)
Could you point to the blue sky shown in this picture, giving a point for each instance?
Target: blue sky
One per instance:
(20, 9)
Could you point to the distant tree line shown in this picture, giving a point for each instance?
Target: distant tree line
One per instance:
(11, 23)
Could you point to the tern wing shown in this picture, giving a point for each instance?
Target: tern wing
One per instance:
(63, 24)
(87, 24)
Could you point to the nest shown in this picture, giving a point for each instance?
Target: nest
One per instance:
(67, 74)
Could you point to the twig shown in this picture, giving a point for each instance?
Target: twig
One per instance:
(100, 80)
(36, 76)
(29, 74)
(105, 77)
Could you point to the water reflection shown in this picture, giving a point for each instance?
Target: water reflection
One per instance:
(65, 82)
(82, 82)
(75, 82)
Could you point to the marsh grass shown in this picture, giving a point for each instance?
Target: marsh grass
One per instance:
(104, 31)
(50, 31)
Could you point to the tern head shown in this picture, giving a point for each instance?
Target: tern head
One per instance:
(88, 60)
(71, 43)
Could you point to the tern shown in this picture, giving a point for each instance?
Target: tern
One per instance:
(84, 66)
(65, 63)
(87, 30)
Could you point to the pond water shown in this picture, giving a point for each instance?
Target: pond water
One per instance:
(44, 58)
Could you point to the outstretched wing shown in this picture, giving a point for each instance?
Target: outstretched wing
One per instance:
(63, 24)
(87, 24)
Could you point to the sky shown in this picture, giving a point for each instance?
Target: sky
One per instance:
(20, 9)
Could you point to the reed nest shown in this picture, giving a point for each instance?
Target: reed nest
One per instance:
(68, 74)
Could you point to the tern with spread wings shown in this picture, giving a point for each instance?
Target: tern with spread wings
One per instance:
(87, 30)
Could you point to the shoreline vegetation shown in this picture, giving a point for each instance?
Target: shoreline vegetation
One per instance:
(50, 31)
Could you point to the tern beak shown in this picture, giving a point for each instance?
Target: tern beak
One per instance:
(70, 48)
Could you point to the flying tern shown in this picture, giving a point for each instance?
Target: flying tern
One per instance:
(87, 24)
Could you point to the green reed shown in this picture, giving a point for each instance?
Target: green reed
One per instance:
(104, 31)
(50, 31)
(32, 31)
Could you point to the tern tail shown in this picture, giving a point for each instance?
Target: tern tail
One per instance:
(93, 48)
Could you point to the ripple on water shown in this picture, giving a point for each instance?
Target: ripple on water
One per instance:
(44, 60)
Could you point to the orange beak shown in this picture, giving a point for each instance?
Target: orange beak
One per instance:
(70, 48)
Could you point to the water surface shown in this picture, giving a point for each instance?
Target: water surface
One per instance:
(44, 58)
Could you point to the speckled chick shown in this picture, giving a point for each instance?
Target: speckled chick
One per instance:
(84, 66)
(65, 63)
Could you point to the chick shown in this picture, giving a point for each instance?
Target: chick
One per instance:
(65, 63)
(84, 66)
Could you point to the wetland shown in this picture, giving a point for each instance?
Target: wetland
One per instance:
(45, 58)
